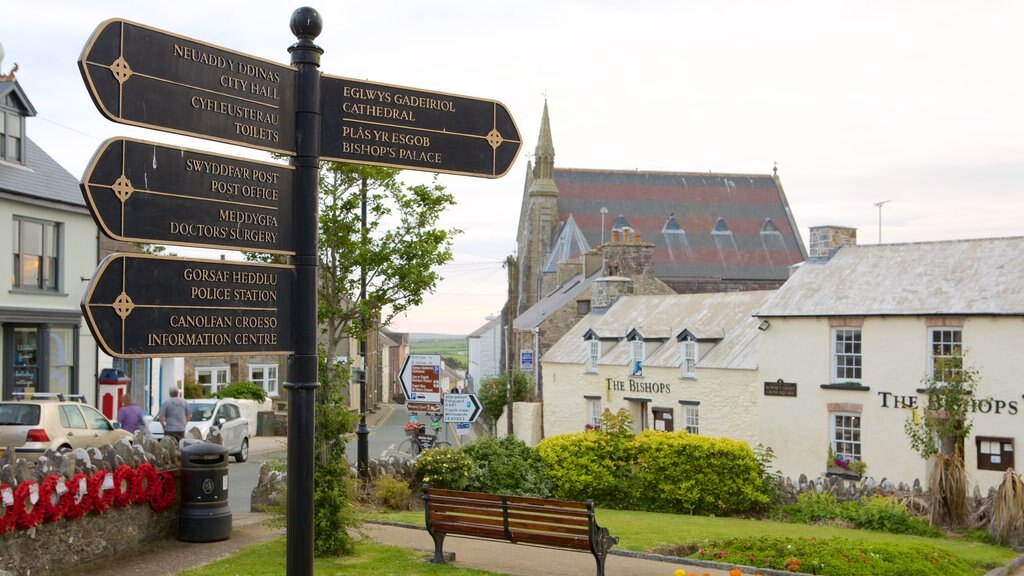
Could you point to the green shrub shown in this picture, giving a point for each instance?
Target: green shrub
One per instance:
(835, 557)
(586, 465)
(691, 474)
(392, 492)
(443, 468)
(192, 390)
(244, 390)
(887, 514)
(506, 466)
(333, 518)
(812, 507)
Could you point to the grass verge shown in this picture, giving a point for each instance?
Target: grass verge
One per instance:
(650, 531)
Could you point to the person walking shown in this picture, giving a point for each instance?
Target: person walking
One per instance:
(130, 415)
(173, 415)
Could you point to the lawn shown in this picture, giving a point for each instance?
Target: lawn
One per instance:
(645, 531)
(269, 559)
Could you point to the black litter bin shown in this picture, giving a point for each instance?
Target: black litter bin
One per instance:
(204, 515)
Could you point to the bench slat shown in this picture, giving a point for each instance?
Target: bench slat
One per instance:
(467, 509)
(561, 520)
(436, 517)
(550, 539)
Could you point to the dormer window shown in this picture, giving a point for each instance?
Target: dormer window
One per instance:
(688, 348)
(11, 141)
(593, 353)
(636, 347)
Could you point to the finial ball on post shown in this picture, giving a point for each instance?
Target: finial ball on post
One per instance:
(306, 23)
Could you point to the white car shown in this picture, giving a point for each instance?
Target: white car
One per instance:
(208, 413)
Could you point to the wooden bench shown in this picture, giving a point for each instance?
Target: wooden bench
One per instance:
(516, 519)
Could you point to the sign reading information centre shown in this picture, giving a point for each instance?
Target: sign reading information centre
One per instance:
(142, 305)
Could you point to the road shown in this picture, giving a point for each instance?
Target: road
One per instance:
(386, 432)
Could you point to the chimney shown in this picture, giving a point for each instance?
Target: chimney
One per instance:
(827, 240)
(605, 291)
(567, 269)
(592, 262)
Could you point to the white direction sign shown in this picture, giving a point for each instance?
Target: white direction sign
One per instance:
(421, 378)
(461, 407)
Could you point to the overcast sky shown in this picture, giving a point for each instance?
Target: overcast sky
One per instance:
(918, 103)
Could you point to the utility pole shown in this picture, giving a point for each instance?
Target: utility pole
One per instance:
(879, 206)
(513, 297)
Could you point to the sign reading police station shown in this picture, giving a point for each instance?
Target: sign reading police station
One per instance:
(144, 192)
(139, 305)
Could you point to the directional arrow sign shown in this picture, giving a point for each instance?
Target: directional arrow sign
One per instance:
(461, 407)
(145, 192)
(139, 305)
(421, 378)
(372, 123)
(147, 77)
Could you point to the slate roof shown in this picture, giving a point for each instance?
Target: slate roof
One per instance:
(755, 236)
(40, 177)
(721, 318)
(554, 301)
(963, 277)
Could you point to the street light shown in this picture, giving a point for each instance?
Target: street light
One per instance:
(879, 205)
(603, 212)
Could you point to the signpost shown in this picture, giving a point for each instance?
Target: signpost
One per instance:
(370, 123)
(139, 305)
(421, 382)
(142, 305)
(461, 407)
(526, 360)
(145, 192)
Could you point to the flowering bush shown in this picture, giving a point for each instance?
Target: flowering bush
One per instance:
(443, 468)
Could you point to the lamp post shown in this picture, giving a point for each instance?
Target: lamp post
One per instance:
(604, 211)
(362, 433)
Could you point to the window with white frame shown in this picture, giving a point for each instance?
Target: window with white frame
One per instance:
(636, 364)
(12, 145)
(689, 349)
(264, 376)
(846, 441)
(36, 245)
(946, 350)
(691, 418)
(212, 378)
(847, 359)
(594, 412)
(593, 353)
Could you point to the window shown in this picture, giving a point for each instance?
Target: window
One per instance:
(637, 356)
(994, 453)
(36, 254)
(691, 419)
(594, 412)
(847, 359)
(846, 435)
(593, 352)
(11, 142)
(212, 378)
(265, 376)
(689, 358)
(946, 353)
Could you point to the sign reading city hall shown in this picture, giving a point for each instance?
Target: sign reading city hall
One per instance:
(146, 77)
(142, 305)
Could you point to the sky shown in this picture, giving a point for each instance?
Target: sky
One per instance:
(917, 105)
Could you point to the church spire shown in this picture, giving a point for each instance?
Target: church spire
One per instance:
(544, 158)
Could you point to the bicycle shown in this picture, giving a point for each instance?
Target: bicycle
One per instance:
(419, 440)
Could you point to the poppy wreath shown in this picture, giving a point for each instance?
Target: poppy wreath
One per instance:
(144, 480)
(124, 485)
(26, 514)
(162, 495)
(101, 499)
(52, 499)
(81, 499)
(7, 518)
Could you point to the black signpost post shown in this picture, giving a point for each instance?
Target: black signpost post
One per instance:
(143, 305)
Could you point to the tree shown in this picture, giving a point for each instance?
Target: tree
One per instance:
(399, 251)
(493, 395)
(939, 433)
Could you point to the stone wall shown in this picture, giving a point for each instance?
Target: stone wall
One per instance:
(58, 546)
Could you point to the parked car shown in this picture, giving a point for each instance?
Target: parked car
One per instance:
(32, 423)
(209, 413)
